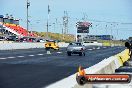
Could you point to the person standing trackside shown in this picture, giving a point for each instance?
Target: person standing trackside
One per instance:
(131, 49)
(129, 46)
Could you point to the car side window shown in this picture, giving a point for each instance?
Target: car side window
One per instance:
(78, 44)
(70, 44)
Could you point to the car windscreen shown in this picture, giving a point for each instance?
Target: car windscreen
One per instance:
(76, 44)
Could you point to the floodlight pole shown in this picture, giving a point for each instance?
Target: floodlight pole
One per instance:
(48, 21)
(28, 4)
(48, 24)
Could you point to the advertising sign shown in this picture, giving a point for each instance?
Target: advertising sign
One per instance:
(83, 27)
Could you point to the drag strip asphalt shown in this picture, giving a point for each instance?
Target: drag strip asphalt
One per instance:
(34, 68)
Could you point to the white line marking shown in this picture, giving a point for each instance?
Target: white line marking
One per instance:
(20, 56)
(59, 52)
(104, 47)
(48, 52)
(3, 58)
(31, 55)
(90, 49)
(40, 54)
(10, 57)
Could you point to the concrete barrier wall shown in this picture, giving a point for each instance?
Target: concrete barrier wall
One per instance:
(107, 66)
(93, 44)
(8, 45)
(63, 44)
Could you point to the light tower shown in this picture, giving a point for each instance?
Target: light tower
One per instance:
(65, 22)
(28, 4)
(48, 22)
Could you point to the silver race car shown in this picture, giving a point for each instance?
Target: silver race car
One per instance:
(76, 48)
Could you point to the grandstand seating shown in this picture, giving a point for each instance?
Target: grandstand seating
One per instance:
(20, 30)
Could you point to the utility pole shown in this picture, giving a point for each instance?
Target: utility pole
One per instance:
(65, 24)
(48, 22)
(61, 26)
(28, 4)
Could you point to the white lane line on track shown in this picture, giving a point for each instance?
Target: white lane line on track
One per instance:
(40, 54)
(59, 52)
(20, 56)
(90, 49)
(3, 58)
(31, 55)
(10, 57)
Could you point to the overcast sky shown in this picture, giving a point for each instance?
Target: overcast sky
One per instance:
(119, 11)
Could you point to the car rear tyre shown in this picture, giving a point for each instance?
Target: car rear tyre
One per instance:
(47, 48)
(80, 54)
(84, 54)
(69, 54)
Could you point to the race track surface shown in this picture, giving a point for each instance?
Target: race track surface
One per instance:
(34, 68)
